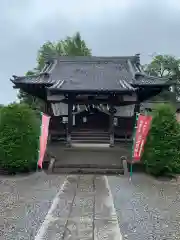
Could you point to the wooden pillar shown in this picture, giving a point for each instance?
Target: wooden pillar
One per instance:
(111, 126)
(48, 108)
(136, 111)
(70, 119)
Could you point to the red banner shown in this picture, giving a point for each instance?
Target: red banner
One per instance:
(43, 138)
(143, 126)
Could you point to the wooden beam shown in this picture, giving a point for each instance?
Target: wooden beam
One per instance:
(55, 98)
(97, 102)
(35, 90)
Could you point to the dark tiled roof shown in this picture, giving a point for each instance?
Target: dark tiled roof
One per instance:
(93, 73)
(87, 73)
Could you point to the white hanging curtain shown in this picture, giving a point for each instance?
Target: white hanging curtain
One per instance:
(59, 109)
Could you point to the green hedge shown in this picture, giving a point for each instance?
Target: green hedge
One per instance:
(162, 150)
(19, 138)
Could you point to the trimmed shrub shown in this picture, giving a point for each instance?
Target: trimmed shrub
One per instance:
(19, 138)
(162, 150)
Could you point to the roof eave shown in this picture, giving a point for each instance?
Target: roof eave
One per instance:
(152, 85)
(91, 90)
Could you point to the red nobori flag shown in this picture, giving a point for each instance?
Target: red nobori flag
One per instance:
(43, 138)
(143, 126)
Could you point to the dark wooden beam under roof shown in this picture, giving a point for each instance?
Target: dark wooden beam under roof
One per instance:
(148, 92)
(34, 90)
(96, 102)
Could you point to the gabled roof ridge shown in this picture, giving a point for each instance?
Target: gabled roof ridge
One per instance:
(132, 58)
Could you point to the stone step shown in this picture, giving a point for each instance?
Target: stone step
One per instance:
(90, 137)
(81, 140)
(102, 171)
(89, 130)
(90, 134)
(58, 164)
(89, 145)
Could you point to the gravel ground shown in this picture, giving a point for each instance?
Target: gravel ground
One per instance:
(24, 203)
(147, 208)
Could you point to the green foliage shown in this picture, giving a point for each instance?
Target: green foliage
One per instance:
(162, 150)
(46, 51)
(165, 66)
(19, 138)
(70, 46)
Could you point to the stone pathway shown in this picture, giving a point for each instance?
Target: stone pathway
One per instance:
(83, 209)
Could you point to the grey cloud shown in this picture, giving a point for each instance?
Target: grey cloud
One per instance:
(143, 26)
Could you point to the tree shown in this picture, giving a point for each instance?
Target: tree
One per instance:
(19, 138)
(165, 66)
(70, 46)
(162, 150)
(46, 51)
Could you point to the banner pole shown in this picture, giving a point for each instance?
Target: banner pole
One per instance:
(134, 136)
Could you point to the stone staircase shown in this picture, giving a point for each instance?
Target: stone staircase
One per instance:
(90, 137)
(89, 153)
(87, 159)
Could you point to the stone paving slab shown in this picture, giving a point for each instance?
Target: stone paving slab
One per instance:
(82, 210)
(105, 220)
(55, 222)
(89, 213)
(103, 202)
(65, 200)
(79, 228)
(106, 229)
(80, 223)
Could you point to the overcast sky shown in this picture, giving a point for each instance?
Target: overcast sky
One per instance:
(110, 27)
